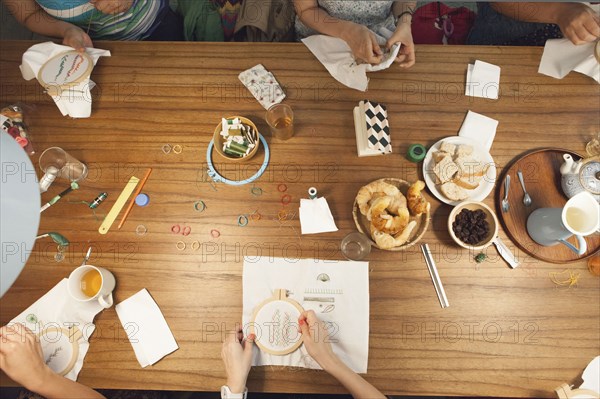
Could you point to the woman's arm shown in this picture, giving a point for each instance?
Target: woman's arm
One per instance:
(315, 338)
(21, 359)
(578, 22)
(30, 14)
(361, 40)
(403, 11)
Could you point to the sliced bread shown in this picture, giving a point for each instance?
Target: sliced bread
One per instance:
(469, 166)
(445, 170)
(448, 147)
(453, 192)
(467, 182)
(463, 150)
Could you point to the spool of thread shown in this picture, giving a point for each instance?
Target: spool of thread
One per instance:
(142, 199)
(416, 153)
(95, 203)
(312, 193)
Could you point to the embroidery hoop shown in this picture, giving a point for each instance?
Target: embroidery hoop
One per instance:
(280, 295)
(73, 335)
(217, 178)
(53, 66)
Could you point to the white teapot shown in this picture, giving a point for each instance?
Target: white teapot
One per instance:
(583, 175)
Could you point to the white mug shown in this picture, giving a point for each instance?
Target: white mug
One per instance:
(104, 294)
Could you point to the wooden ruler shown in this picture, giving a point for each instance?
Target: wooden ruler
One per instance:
(118, 206)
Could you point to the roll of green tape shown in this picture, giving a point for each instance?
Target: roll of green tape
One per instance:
(416, 153)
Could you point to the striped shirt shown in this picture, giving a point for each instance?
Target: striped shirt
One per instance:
(137, 23)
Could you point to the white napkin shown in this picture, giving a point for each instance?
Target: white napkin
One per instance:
(561, 57)
(58, 309)
(348, 284)
(146, 328)
(315, 216)
(479, 128)
(263, 86)
(336, 56)
(483, 80)
(591, 376)
(75, 102)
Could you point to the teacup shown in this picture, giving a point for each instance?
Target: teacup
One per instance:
(90, 283)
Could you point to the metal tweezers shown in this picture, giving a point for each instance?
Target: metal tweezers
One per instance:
(435, 277)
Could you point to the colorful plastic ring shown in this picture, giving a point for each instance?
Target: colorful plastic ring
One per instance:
(242, 220)
(282, 215)
(177, 149)
(215, 233)
(167, 148)
(176, 229)
(256, 216)
(286, 199)
(282, 188)
(257, 191)
(196, 245)
(186, 231)
(180, 245)
(200, 206)
(141, 230)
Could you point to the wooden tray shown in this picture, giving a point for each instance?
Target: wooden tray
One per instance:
(542, 179)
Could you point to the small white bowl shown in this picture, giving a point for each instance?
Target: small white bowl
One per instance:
(490, 217)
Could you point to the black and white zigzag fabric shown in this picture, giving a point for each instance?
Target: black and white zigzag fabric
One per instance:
(378, 128)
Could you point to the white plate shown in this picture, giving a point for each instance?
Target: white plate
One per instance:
(487, 183)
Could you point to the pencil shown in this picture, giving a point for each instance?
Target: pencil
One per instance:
(132, 201)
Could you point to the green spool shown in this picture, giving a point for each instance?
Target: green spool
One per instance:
(416, 153)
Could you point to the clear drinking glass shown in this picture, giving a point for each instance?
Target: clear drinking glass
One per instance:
(57, 161)
(280, 119)
(356, 246)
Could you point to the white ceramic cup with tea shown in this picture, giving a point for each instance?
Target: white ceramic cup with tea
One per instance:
(90, 283)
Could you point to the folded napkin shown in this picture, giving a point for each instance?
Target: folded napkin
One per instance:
(479, 128)
(372, 129)
(561, 57)
(146, 328)
(315, 216)
(263, 86)
(338, 292)
(74, 101)
(483, 80)
(337, 57)
(58, 310)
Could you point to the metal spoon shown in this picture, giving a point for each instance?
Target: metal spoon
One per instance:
(526, 199)
(505, 205)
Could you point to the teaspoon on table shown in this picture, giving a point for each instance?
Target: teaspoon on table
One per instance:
(526, 199)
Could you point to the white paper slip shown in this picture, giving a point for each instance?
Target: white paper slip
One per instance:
(479, 128)
(315, 216)
(483, 80)
(146, 328)
(263, 86)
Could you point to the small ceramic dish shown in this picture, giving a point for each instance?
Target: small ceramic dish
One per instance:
(490, 218)
(220, 140)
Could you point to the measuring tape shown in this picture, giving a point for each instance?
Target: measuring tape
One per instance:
(118, 206)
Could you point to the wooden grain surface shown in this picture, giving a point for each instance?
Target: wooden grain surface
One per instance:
(506, 332)
(546, 192)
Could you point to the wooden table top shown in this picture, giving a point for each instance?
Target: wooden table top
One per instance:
(507, 332)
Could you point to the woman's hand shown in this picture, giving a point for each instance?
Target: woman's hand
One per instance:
(112, 6)
(363, 43)
(316, 340)
(21, 356)
(579, 23)
(403, 35)
(237, 356)
(75, 37)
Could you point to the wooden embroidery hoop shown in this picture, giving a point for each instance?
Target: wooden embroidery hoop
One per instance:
(74, 335)
(54, 88)
(278, 295)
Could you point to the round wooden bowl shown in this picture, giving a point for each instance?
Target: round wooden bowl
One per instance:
(219, 141)
(490, 217)
(362, 223)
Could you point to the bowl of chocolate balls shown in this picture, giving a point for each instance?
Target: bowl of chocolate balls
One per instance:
(473, 225)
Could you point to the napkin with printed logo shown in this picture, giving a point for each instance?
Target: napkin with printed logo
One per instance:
(263, 86)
